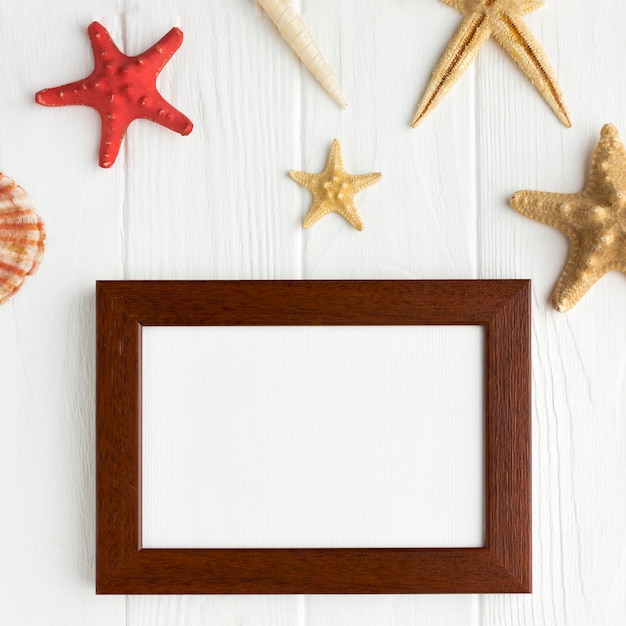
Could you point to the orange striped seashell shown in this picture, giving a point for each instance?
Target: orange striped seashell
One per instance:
(22, 237)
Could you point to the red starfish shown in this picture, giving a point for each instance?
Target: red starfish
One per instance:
(122, 89)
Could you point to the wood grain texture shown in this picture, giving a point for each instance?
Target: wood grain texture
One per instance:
(416, 224)
(47, 426)
(502, 307)
(222, 610)
(423, 610)
(578, 358)
(200, 220)
(219, 210)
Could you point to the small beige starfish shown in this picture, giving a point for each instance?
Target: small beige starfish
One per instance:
(334, 189)
(594, 220)
(503, 20)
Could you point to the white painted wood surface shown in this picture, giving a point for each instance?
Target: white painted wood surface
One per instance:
(219, 204)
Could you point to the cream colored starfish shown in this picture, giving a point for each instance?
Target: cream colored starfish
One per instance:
(594, 220)
(503, 20)
(334, 189)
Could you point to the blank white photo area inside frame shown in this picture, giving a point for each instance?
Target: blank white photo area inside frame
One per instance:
(313, 436)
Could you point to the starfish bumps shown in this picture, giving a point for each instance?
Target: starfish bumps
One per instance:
(122, 89)
(503, 20)
(334, 189)
(594, 220)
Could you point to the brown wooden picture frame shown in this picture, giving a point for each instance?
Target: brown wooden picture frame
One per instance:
(503, 565)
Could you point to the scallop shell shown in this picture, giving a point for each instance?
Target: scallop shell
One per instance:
(22, 237)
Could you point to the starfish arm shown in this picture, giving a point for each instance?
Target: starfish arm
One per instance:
(316, 212)
(515, 37)
(69, 94)
(362, 181)
(608, 164)
(162, 51)
(465, 6)
(114, 128)
(553, 209)
(461, 51)
(527, 6)
(84, 91)
(335, 158)
(575, 281)
(103, 46)
(158, 110)
(349, 212)
(310, 181)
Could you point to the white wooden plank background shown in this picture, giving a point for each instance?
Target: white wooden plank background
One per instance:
(218, 204)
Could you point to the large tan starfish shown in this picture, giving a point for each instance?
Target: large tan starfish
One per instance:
(503, 20)
(594, 220)
(334, 189)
